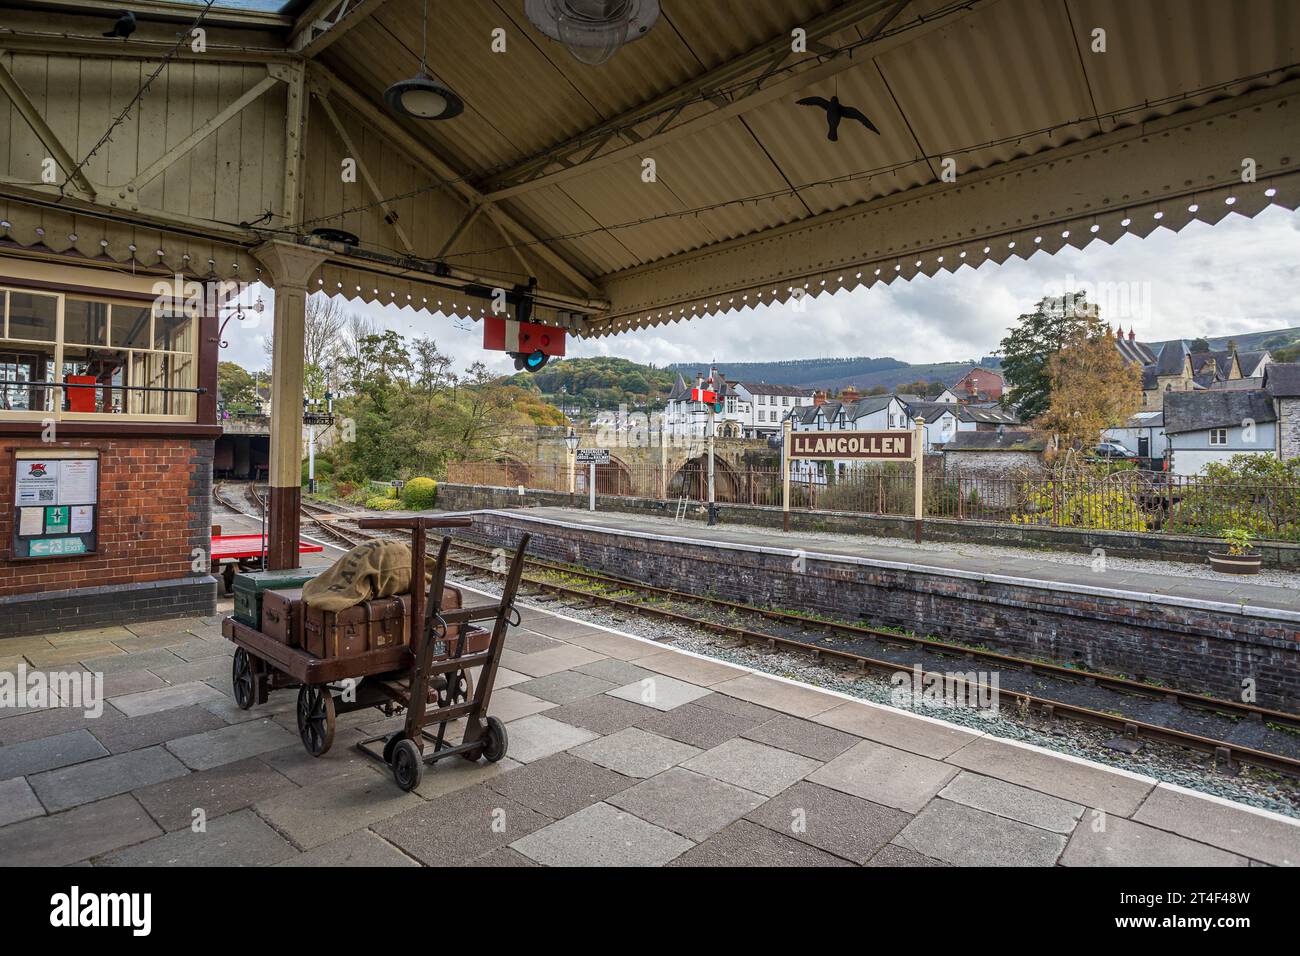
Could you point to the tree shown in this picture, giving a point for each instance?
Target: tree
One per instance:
(1036, 337)
(236, 387)
(322, 342)
(1199, 345)
(1090, 388)
(433, 371)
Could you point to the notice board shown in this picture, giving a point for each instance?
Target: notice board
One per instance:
(56, 503)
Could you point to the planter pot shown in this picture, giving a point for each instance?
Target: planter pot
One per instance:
(1236, 563)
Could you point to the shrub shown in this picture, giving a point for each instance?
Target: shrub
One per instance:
(380, 503)
(419, 494)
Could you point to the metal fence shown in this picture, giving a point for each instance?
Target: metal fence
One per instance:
(1122, 501)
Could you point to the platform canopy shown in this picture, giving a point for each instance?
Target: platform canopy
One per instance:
(1059, 122)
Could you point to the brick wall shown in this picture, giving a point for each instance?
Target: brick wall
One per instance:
(155, 508)
(1192, 648)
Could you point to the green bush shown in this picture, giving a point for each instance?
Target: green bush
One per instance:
(380, 503)
(418, 494)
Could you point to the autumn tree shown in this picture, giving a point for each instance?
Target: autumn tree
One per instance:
(1090, 388)
(1036, 337)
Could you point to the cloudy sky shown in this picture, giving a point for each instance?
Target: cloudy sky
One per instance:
(1238, 276)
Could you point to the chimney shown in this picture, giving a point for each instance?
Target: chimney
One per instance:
(819, 398)
(849, 394)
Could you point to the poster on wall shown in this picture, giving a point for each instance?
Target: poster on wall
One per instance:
(56, 503)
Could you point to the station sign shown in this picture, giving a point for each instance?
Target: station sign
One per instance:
(317, 418)
(828, 446)
(593, 456)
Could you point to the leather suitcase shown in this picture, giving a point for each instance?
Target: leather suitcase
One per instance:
(282, 616)
(368, 626)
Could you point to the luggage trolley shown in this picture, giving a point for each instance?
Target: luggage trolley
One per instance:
(433, 669)
(441, 668)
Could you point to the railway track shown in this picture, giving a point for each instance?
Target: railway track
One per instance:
(669, 605)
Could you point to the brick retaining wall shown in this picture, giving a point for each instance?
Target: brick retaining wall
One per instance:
(1194, 646)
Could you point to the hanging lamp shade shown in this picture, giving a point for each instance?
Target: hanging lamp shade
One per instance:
(422, 97)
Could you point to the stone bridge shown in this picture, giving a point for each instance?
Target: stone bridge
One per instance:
(645, 462)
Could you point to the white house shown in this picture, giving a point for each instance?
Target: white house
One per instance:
(943, 420)
(1213, 425)
(769, 405)
(687, 418)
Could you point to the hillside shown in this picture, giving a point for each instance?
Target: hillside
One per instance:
(602, 382)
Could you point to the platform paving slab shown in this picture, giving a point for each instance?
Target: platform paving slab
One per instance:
(801, 737)
(134, 661)
(964, 836)
(71, 654)
(609, 645)
(693, 670)
(906, 731)
(604, 714)
(602, 835)
(836, 822)
(237, 839)
(459, 827)
(503, 857)
(48, 722)
(892, 855)
(208, 670)
(752, 766)
(452, 774)
(565, 687)
(521, 640)
(91, 635)
(224, 705)
(1114, 791)
(294, 762)
(196, 649)
(794, 699)
(135, 643)
(130, 682)
(510, 703)
(1014, 802)
(106, 777)
(134, 733)
(687, 803)
(165, 698)
(312, 816)
(17, 802)
(49, 753)
(1260, 835)
(216, 792)
(559, 785)
(635, 753)
(362, 848)
(538, 736)
(615, 671)
(740, 708)
(749, 844)
(228, 744)
(549, 661)
(699, 726)
(1111, 840)
(884, 775)
(77, 834)
(659, 692)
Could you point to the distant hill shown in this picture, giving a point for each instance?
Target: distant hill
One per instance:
(1249, 341)
(600, 382)
(863, 372)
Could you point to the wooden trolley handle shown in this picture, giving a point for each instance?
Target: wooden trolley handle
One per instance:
(408, 523)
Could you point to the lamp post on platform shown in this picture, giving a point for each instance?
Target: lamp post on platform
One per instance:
(571, 442)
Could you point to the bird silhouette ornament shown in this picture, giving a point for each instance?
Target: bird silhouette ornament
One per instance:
(836, 111)
(124, 26)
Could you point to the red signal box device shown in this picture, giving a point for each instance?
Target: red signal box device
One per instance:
(506, 335)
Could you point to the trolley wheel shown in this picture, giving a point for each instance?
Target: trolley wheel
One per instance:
(408, 764)
(389, 744)
(497, 740)
(315, 718)
(463, 692)
(243, 679)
